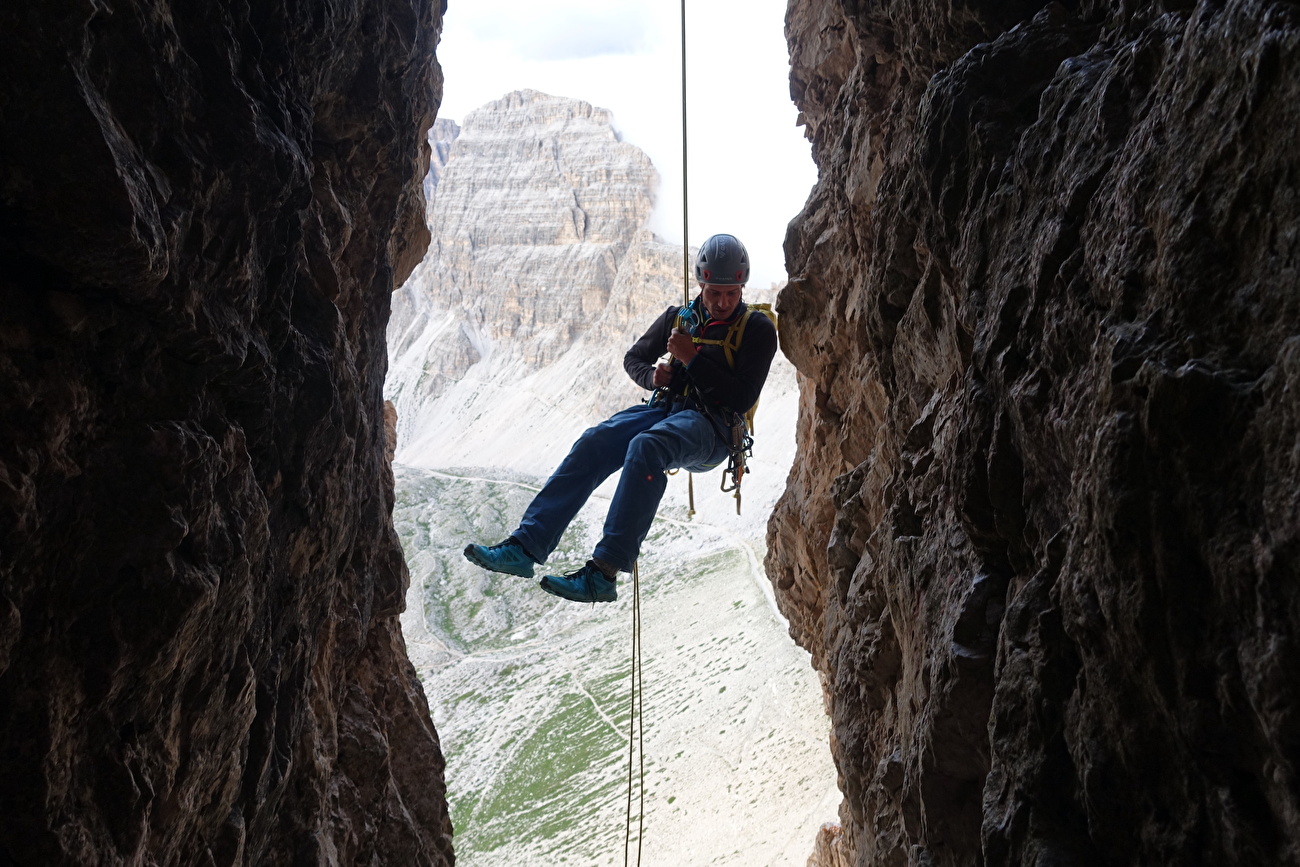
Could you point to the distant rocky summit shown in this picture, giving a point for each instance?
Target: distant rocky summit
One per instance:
(540, 253)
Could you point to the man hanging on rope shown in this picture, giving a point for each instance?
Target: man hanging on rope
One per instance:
(686, 424)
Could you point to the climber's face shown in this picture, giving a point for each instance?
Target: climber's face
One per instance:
(720, 301)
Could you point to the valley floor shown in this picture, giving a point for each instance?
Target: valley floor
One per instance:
(530, 694)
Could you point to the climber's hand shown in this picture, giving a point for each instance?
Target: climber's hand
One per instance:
(681, 346)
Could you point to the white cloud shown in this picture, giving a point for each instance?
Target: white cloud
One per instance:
(750, 168)
(566, 32)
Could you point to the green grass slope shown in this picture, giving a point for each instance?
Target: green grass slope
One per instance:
(530, 694)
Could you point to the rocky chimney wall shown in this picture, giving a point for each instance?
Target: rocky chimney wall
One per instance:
(1043, 537)
(204, 209)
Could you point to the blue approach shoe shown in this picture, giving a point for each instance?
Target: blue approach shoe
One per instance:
(508, 557)
(587, 584)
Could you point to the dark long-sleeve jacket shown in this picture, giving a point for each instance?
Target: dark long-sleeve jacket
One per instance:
(713, 383)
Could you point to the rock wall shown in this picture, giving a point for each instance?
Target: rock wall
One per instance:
(441, 135)
(829, 849)
(1043, 540)
(204, 210)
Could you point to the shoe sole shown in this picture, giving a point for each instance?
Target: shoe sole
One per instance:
(472, 556)
(555, 591)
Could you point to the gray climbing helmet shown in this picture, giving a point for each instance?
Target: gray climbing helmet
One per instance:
(722, 261)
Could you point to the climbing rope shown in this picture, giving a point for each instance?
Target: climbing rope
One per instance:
(636, 709)
(685, 185)
(686, 235)
(635, 723)
(686, 198)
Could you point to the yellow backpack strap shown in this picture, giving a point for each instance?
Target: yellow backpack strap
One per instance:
(735, 334)
(731, 341)
(703, 341)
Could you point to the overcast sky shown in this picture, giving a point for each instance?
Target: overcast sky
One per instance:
(750, 167)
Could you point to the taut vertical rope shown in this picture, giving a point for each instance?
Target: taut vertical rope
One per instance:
(686, 235)
(636, 723)
(686, 198)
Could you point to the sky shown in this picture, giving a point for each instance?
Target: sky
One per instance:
(750, 168)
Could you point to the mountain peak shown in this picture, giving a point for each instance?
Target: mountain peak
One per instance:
(539, 226)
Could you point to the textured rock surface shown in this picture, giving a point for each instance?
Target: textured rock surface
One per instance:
(539, 254)
(203, 212)
(1044, 539)
(441, 136)
(829, 849)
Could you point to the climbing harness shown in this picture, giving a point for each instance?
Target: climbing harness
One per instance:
(740, 446)
(730, 343)
(740, 428)
(635, 722)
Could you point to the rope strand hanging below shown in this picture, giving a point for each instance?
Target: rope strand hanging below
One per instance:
(635, 725)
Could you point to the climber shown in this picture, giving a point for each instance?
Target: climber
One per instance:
(686, 423)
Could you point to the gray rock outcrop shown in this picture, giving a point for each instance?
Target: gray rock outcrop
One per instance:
(441, 135)
(1043, 538)
(204, 209)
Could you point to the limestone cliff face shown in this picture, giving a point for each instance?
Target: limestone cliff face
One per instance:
(540, 254)
(203, 212)
(1044, 536)
(441, 135)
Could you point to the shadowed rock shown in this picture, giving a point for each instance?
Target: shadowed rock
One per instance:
(1043, 539)
(203, 212)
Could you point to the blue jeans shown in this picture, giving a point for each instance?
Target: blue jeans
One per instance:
(645, 441)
